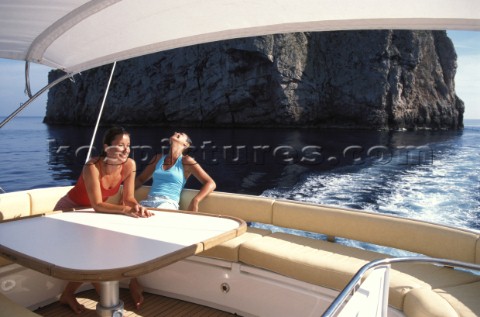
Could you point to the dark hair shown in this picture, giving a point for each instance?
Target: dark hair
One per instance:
(111, 134)
(189, 141)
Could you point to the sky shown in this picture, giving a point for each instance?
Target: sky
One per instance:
(467, 79)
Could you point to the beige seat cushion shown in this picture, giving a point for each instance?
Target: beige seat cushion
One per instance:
(9, 308)
(464, 298)
(456, 301)
(423, 302)
(45, 199)
(246, 207)
(229, 250)
(332, 265)
(405, 277)
(14, 205)
(141, 193)
(315, 261)
(381, 229)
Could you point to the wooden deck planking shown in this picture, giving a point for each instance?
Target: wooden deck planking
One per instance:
(154, 305)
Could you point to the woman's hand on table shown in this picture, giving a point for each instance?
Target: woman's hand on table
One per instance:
(138, 211)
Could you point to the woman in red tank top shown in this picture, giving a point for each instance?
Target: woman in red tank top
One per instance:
(101, 178)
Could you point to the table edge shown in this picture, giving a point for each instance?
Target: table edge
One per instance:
(125, 272)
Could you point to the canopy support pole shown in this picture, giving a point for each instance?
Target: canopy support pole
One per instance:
(100, 113)
(27, 79)
(32, 98)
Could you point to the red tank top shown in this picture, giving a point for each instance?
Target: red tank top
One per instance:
(79, 192)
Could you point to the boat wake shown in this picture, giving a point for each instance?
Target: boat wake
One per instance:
(445, 190)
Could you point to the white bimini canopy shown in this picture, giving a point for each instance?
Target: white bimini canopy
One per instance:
(75, 35)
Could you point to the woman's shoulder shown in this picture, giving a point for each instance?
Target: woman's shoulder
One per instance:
(91, 168)
(92, 163)
(128, 167)
(93, 160)
(130, 162)
(188, 160)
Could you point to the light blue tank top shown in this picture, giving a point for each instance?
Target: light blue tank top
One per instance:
(168, 183)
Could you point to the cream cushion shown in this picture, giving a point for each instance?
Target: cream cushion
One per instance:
(315, 261)
(229, 250)
(405, 277)
(332, 265)
(45, 199)
(469, 305)
(141, 193)
(246, 207)
(454, 301)
(401, 233)
(422, 302)
(477, 252)
(14, 205)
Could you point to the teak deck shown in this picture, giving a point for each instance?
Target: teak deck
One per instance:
(154, 305)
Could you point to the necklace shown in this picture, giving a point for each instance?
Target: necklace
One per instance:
(108, 168)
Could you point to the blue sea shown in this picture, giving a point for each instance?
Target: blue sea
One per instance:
(429, 175)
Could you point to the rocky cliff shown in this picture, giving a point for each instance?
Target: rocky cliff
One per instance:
(358, 79)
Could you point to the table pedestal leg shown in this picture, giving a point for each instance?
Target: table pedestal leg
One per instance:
(110, 304)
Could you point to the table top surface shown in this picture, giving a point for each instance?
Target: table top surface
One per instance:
(98, 246)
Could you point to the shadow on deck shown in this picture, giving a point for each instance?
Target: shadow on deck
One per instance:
(154, 305)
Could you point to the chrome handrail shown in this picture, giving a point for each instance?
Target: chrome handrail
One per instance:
(32, 98)
(356, 279)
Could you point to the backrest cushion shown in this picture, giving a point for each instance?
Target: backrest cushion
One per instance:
(247, 207)
(14, 205)
(477, 253)
(407, 234)
(45, 199)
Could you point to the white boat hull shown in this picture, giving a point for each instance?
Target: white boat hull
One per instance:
(264, 273)
(231, 287)
(240, 289)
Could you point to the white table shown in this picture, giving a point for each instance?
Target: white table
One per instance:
(97, 247)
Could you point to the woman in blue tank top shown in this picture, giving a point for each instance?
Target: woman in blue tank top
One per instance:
(170, 173)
